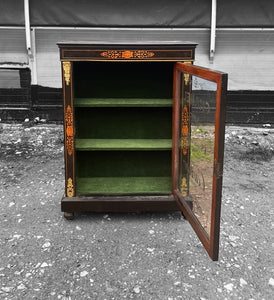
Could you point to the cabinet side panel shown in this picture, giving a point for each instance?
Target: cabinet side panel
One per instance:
(69, 140)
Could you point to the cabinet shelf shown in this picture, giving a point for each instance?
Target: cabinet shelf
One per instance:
(122, 102)
(123, 185)
(123, 144)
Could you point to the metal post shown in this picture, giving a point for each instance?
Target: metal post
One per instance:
(33, 61)
(213, 30)
(27, 26)
(30, 43)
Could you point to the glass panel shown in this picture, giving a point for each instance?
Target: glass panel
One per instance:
(196, 145)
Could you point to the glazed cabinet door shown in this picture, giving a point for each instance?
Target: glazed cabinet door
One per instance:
(199, 97)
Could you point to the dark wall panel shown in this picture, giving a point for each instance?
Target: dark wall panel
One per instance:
(142, 13)
(100, 13)
(153, 13)
(243, 107)
(245, 13)
(19, 96)
(12, 12)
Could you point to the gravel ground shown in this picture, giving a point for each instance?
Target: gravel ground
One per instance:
(131, 256)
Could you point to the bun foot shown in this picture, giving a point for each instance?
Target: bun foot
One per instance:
(69, 215)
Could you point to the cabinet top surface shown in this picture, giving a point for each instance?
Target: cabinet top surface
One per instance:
(127, 50)
(127, 42)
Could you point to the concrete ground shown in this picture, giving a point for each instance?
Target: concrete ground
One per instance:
(136, 255)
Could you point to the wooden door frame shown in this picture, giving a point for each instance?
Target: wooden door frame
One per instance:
(211, 243)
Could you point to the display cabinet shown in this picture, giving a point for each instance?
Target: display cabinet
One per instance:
(143, 131)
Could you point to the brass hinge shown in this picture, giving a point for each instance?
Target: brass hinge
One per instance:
(186, 76)
(218, 170)
(186, 79)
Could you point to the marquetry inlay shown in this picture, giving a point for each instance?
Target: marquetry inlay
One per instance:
(120, 54)
(67, 70)
(70, 188)
(69, 130)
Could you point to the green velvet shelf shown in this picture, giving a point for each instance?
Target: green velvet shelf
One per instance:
(123, 144)
(122, 102)
(123, 185)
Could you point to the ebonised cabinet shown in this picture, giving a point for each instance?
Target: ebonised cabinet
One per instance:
(143, 131)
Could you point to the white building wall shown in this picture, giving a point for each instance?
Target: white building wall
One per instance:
(48, 65)
(13, 46)
(247, 56)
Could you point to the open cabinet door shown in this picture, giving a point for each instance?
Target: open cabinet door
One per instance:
(199, 101)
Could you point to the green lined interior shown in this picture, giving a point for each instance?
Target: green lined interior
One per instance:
(113, 165)
(123, 163)
(124, 185)
(123, 122)
(123, 144)
(122, 102)
(123, 80)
